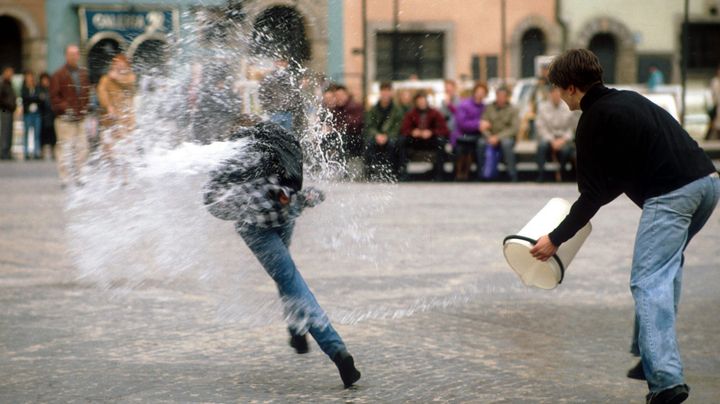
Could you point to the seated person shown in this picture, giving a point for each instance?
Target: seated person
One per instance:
(423, 128)
(467, 118)
(348, 118)
(382, 126)
(555, 125)
(500, 126)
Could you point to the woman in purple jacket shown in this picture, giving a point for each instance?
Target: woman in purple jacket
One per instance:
(468, 119)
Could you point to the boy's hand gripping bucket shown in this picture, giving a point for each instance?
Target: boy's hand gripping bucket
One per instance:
(533, 272)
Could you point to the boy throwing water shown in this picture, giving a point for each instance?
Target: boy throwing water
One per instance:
(627, 144)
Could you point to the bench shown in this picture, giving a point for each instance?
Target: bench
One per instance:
(525, 151)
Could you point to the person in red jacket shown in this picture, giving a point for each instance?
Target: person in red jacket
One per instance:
(348, 116)
(69, 95)
(423, 128)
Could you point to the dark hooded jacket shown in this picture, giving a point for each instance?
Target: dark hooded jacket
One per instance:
(248, 187)
(275, 151)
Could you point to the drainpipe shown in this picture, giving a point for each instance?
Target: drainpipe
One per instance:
(503, 48)
(395, 45)
(365, 54)
(684, 66)
(561, 23)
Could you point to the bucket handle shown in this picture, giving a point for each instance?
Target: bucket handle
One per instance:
(533, 242)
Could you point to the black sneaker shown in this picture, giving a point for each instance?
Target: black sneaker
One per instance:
(346, 366)
(299, 342)
(637, 372)
(673, 395)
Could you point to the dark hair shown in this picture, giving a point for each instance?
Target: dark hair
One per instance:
(339, 87)
(419, 94)
(504, 89)
(25, 74)
(386, 85)
(480, 84)
(576, 67)
(44, 75)
(330, 88)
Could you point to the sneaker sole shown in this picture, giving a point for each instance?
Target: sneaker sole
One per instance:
(679, 398)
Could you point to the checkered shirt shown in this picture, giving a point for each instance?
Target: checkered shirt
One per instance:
(257, 202)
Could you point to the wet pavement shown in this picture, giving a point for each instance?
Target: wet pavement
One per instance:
(429, 308)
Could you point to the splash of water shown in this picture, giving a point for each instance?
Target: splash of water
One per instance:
(139, 222)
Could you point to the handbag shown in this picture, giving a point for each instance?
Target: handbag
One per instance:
(492, 158)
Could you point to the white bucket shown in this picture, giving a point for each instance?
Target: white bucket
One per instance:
(533, 272)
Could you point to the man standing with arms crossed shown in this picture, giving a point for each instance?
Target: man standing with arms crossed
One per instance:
(627, 144)
(69, 88)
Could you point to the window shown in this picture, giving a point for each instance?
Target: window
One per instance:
(417, 53)
(703, 39)
(484, 67)
(664, 62)
(532, 44)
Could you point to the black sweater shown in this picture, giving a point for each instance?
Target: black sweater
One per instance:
(627, 144)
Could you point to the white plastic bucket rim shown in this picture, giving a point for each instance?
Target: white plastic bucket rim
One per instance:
(558, 269)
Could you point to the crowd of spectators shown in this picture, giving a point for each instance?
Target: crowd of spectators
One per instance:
(469, 132)
(465, 129)
(37, 115)
(476, 129)
(65, 117)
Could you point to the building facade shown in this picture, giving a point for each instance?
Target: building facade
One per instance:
(141, 28)
(631, 36)
(482, 39)
(458, 39)
(23, 35)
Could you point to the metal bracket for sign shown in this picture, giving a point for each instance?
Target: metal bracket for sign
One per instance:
(533, 242)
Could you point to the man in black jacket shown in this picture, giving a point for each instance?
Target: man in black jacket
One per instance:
(627, 144)
(7, 107)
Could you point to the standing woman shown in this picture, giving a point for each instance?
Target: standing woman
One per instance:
(32, 105)
(47, 117)
(115, 93)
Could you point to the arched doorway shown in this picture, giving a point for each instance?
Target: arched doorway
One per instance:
(532, 44)
(99, 57)
(150, 55)
(615, 44)
(605, 47)
(11, 44)
(279, 32)
(531, 36)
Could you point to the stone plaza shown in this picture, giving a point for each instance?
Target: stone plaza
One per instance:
(415, 281)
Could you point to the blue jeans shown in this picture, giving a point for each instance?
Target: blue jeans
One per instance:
(32, 120)
(667, 224)
(544, 153)
(302, 311)
(468, 144)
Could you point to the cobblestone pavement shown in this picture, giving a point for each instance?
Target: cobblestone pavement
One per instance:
(434, 314)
